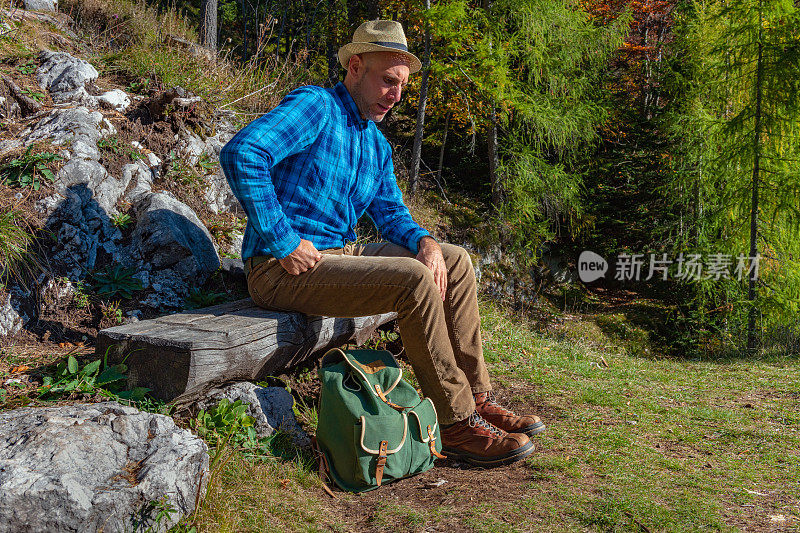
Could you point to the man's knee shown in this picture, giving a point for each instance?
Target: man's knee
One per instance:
(456, 257)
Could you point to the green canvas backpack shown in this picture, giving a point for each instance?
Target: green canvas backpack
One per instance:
(372, 426)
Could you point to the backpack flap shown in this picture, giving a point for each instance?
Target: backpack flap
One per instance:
(382, 450)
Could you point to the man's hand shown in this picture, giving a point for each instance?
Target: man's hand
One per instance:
(430, 255)
(304, 257)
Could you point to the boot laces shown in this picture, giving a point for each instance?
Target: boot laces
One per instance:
(492, 399)
(476, 420)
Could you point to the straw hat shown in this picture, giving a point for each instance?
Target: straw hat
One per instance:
(379, 36)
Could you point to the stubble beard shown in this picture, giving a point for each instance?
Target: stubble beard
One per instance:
(361, 102)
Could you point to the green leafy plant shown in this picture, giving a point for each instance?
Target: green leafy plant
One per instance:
(27, 169)
(384, 338)
(228, 424)
(27, 68)
(116, 280)
(199, 298)
(139, 86)
(181, 172)
(81, 295)
(117, 146)
(72, 378)
(121, 220)
(111, 312)
(111, 144)
(206, 163)
(36, 95)
(164, 513)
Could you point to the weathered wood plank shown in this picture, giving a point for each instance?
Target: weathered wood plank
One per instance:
(185, 354)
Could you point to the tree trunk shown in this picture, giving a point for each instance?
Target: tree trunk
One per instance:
(751, 293)
(494, 158)
(373, 9)
(333, 59)
(494, 162)
(416, 151)
(244, 21)
(208, 25)
(441, 151)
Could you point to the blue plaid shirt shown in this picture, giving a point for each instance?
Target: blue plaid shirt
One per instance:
(309, 169)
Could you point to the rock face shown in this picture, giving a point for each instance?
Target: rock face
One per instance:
(84, 233)
(10, 319)
(65, 77)
(95, 467)
(271, 407)
(173, 247)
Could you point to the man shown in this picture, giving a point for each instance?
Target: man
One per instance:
(304, 173)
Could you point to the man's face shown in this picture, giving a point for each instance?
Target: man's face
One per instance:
(378, 81)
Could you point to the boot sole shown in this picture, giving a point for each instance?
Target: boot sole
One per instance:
(533, 429)
(477, 460)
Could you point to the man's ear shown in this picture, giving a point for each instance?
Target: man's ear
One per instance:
(355, 65)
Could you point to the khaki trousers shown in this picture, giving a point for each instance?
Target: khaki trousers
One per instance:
(441, 338)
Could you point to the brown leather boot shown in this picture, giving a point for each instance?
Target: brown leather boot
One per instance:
(477, 442)
(505, 419)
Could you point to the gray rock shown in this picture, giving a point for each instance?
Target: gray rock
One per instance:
(116, 99)
(11, 321)
(174, 246)
(55, 292)
(41, 5)
(141, 177)
(67, 126)
(105, 189)
(83, 231)
(107, 128)
(271, 407)
(168, 231)
(10, 144)
(65, 76)
(96, 467)
(190, 147)
(186, 102)
(219, 196)
(218, 193)
(235, 267)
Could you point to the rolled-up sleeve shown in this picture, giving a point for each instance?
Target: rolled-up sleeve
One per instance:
(390, 214)
(247, 158)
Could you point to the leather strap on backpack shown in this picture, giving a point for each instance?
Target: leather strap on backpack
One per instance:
(432, 444)
(324, 469)
(381, 461)
(387, 401)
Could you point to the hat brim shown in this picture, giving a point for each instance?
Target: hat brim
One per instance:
(351, 49)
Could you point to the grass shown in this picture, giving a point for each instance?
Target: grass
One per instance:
(128, 39)
(667, 444)
(16, 259)
(645, 444)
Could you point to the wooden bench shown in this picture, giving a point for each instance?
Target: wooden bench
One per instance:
(182, 356)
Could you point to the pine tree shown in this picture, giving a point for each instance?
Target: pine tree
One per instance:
(741, 187)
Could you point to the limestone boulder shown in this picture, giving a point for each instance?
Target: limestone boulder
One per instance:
(173, 246)
(66, 77)
(97, 467)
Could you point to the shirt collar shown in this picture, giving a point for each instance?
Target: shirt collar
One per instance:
(349, 104)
